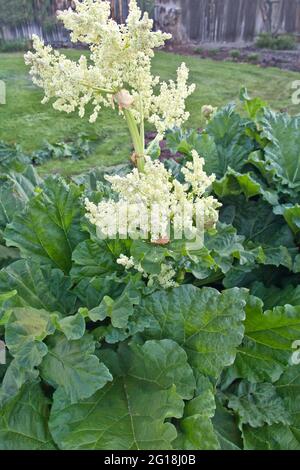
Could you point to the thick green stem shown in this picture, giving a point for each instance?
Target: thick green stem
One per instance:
(137, 139)
(142, 134)
(142, 126)
(137, 135)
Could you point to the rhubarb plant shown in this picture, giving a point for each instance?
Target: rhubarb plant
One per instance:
(182, 333)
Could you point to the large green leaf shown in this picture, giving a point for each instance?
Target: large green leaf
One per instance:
(25, 329)
(278, 436)
(224, 144)
(273, 296)
(267, 346)
(254, 106)
(8, 255)
(196, 431)
(24, 421)
(281, 155)
(288, 388)
(150, 384)
(258, 404)
(12, 158)
(91, 291)
(16, 189)
(38, 286)
(267, 236)
(275, 437)
(226, 428)
(292, 216)
(124, 319)
(10, 202)
(224, 246)
(206, 323)
(96, 272)
(150, 256)
(228, 131)
(73, 366)
(249, 184)
(27, 324)
(245, 275)
(256, 221)
(72, 326)
(22, 369)
(92, 259)
(49, 228)
(120, 310)
(234, 184)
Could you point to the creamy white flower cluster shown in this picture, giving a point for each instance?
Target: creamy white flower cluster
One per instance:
(165, 278)
(167, 109)
(119, 65)
(153, 201)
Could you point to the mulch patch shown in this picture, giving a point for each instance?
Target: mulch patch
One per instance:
(287, 60)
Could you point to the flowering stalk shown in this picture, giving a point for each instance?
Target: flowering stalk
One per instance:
(138, 139)
(118, 72)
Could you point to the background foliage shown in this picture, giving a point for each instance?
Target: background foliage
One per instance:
(16, 12)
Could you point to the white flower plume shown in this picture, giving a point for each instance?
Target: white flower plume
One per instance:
(119, 62)
(155, 188)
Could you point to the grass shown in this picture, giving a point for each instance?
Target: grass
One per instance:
(26, 121)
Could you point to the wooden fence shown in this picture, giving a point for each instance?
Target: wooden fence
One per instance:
(119, 10)
(187, 20)
(227, 20)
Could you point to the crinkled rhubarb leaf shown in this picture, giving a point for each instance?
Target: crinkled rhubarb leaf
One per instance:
(73, 366)
(258, 404)
(195, 429)
(48, 229)
(149, 386)
(226, 428)
(227, 131)
(38, 286)
(278, 436)
(267, 346)
(281, 155)
(206, 323)
(24, 421)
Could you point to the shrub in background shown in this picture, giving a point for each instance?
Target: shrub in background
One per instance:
(15, 45)
(269, 41)
(235, 54)
(253, 57)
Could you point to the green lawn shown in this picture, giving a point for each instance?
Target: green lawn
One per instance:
(25, 121)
